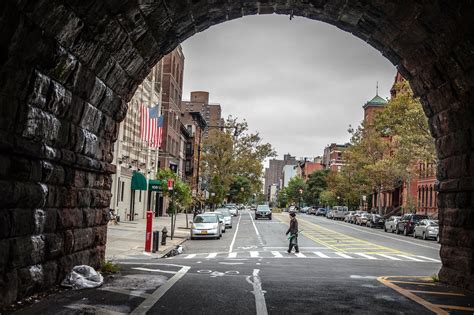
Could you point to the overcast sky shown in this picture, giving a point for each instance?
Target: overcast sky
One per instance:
(299, 83)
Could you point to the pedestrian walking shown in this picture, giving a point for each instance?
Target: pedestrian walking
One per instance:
(113, 217)
(293, 231)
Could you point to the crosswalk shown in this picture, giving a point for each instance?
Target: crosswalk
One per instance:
(307, 254)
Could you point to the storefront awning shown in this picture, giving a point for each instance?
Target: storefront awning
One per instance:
(138, 181)
(154, 185)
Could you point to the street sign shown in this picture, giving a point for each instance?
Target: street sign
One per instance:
(154, 185)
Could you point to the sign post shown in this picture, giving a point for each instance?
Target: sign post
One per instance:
(149, 223)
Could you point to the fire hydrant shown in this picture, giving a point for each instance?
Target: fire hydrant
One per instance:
(164, 235)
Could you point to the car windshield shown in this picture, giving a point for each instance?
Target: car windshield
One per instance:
(419, 217)
(263, 208)
(205, 219)
(225, 212)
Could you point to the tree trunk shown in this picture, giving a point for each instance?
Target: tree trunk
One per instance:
(379, 190)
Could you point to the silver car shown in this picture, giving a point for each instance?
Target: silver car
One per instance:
(427, 229)
(227, 217)
(206, 225)
(391, 224)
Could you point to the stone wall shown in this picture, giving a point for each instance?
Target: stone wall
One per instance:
(68, 67)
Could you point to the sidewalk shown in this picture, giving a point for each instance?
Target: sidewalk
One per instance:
(127, 239)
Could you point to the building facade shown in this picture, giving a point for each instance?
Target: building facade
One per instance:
(211, 112)
(132, 156)
(289, 171)
(273, 173)
(333, 157)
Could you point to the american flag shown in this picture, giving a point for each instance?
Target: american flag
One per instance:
(151, 125)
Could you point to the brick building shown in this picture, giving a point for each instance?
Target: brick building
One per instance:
(273, 173)
(172, 87)
(211, 112)
(333, 157)
(305, 168)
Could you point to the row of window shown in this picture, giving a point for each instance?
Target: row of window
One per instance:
(426, 197)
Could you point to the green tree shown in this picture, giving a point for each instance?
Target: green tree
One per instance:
(282, 198)
(240, 190)
(316, 183)
(328, 198)
(295, 190)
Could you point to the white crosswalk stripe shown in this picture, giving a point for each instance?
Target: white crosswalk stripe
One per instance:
(389, 257)
(254, 254)
(366, 256)
(321, 255)
(265, 254)
(343, 255)
(277, 254)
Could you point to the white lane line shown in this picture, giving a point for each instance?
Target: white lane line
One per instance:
(256, 230)
(379, 234)
(435, 260)
(409, 257)
(256, 282)
(190, 256)
(235, 235)
(277, 254)
(154, 270)
(146, 305)
(321, 255)
(254, 254)
(343, 255)
(366, 256)
(212, 255)
(232, 255)
(389, 257)
(300, 255)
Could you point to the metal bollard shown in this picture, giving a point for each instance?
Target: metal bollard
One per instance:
(155, 241)
(164, 235)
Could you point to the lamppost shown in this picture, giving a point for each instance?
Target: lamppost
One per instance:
(301, 196)
(338, 198)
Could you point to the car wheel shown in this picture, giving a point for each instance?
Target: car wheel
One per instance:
(193, 238)
(424, 236)
(397, 230)
(437, 238)
(405, 232)
(385, 229)
(414, 234)
(269, 218)
(223, 231)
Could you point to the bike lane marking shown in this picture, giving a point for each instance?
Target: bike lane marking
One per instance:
(154, 297)
(256, 282)
(235, 235)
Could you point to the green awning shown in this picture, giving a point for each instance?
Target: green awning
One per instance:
(154, 185)
(138, 181)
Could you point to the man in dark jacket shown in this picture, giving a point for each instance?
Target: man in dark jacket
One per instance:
(293, 231)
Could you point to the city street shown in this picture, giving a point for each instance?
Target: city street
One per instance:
(249, 271)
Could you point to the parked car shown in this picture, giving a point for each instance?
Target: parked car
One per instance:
(232, 209)
(391, 224)
(263, 211)
(375, 221)
(227, 216)
(363, 218)
(312, 210)
(349, 216)
(329, 214)
(206, 225)
(355, 216)
(339, 212)
(321, 211)
(407, 223)
(304, 209)
(221, 220)
(427, 229)
(292, 209)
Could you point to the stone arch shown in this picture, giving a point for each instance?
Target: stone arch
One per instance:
(68, 68)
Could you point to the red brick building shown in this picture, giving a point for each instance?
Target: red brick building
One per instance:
(212, 113)
(333, 157)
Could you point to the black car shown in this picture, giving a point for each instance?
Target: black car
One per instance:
(407, 223)
(375, 221)
(263, 211)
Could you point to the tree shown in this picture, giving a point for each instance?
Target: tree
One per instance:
(328, 198)
(295, 190)
(316, 184)
(231, 155)
(282, 198)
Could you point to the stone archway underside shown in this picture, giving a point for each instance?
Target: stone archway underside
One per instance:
(68, 67)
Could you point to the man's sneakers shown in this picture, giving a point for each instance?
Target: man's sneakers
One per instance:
(288, 251)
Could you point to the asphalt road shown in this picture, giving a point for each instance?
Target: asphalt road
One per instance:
(248, 271)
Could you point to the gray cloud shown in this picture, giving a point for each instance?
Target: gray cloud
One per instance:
(300, 83)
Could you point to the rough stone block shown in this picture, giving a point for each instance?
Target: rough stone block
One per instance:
(83, 238)
(22, 222)
(100, 233)
(54, 245)
(8, 288)
(70, 218)
(5, 254)
(26, 251)
(5, 224)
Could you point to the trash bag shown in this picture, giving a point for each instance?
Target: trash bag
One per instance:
(175, 251)
(83, 277)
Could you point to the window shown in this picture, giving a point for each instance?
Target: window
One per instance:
(118, 190)
(123, 188)
(140, 196)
